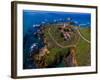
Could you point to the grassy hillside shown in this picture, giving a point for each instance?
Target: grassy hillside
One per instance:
(83, 48)
(56, 56)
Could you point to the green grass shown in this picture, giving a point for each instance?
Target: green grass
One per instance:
(86, 33)
(55, 54)
(83, 48)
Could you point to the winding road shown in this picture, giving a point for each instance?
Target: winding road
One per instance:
(73, 45)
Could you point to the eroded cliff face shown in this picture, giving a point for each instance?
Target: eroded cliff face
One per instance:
(70, 58)
(40, 58)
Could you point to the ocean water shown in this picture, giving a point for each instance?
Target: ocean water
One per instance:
(33, 20)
